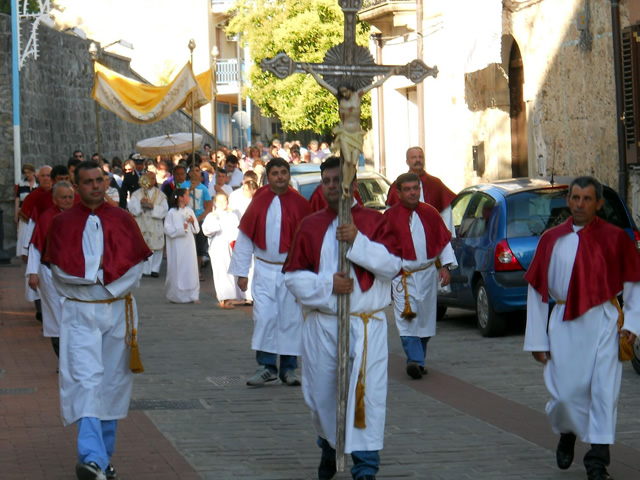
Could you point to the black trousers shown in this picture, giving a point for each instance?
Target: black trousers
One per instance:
(597, 457)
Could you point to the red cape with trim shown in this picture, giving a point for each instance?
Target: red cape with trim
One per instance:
(124, 246)
(437, 234)
(435, 193)
(606, 258)
(254, 221)
(307, 245)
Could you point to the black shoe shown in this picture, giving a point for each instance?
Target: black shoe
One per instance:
(39, 316)
(413, 370)
(327, 469)
(89, 471)
(564, 451)
(110, 472)
(155, 274)
(599, 474)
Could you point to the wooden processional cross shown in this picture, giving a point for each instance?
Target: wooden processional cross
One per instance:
(347, 72)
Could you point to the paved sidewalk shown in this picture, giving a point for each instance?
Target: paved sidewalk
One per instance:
(478, 414)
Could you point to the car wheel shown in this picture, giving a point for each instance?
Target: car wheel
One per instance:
(441, 311)
(635, 361)
(490, 323)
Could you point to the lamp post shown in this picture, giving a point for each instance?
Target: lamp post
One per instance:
(214, 54)
(192, 46)
(93, 53)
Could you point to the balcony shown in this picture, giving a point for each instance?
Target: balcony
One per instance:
(227, 71)
(221, 6)
(391, 17)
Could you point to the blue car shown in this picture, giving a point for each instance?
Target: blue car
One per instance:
(498, 226)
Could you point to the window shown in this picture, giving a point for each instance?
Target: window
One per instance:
(476, 218)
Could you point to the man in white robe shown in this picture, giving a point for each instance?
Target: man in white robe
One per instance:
(583, 264)
(311, 275)
(27, 224)
(96, 253)
(266, 232)
(149, 206)
(427, 258)
(434, 191)
(39, 274)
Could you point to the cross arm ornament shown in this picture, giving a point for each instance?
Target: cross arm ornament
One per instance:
(360, 74)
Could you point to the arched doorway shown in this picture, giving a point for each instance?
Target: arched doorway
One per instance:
(518, 115)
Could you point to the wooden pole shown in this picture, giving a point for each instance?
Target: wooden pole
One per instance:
(344, 314)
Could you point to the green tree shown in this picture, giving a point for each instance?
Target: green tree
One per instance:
(304, 30)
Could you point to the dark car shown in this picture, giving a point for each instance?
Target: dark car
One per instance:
(498, 226)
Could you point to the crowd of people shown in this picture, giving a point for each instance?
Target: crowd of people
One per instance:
(269, 247)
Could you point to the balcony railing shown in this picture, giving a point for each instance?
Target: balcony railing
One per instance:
(227, 71)
(373, 3)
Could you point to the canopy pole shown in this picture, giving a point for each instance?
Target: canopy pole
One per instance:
(192, 46)
(93, 53)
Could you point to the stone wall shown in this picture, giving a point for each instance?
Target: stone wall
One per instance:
(57, 114)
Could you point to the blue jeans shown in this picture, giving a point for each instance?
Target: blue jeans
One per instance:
(96, 440)
(364, 462)
(269, 360)
(415, 348)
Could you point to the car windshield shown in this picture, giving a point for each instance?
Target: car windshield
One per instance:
(532, 212)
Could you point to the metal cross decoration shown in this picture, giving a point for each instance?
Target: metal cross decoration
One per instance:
(347, 72)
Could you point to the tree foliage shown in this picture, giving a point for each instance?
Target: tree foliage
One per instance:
(304, 30)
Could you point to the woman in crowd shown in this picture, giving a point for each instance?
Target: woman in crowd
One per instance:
(163, 172)
(180, 226)
(221, 226)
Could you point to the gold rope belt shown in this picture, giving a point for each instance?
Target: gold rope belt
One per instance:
(130, 339)
(359, 419)
(561, 302)
(270, 263)
(407, 313)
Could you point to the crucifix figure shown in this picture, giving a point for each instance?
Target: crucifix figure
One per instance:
(347, 72)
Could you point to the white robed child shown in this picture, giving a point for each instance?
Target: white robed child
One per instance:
(221, 226)
(180, 225)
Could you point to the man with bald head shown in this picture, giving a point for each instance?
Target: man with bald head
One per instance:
(433, 191)
(39, 274)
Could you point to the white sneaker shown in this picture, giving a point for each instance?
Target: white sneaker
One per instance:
(262, 376)
(291, 379)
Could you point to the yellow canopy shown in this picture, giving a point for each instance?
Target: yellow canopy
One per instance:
(138, 102)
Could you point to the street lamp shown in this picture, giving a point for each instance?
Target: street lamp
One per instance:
(214, 54)
(93, 53)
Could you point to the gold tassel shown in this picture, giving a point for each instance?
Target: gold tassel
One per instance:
(135, 364)
(407, 313)
(360, 411)
(625, 352)
(359, 416)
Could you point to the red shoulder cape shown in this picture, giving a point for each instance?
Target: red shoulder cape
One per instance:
(318, 202)
(606, 258)
(42, 227)
(438, 236)
(254, 221)
(124, 246)
(307, 247)
(29, 204)
(435, 193)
